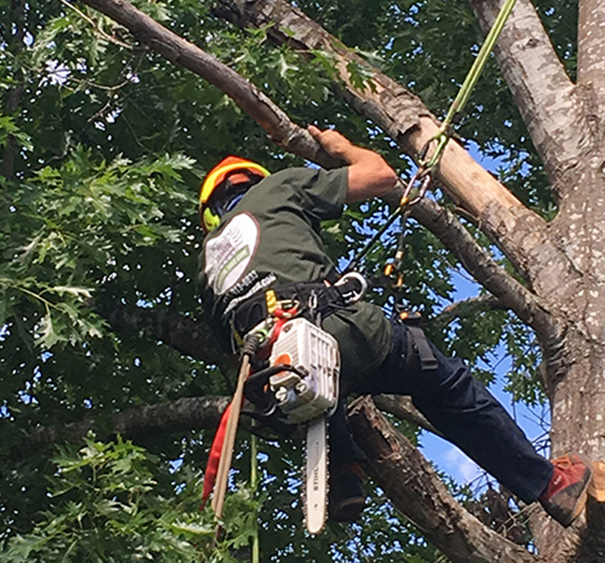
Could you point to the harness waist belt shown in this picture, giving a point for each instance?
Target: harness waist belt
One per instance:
(313, 298)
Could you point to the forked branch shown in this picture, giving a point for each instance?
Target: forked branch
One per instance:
(416, 491)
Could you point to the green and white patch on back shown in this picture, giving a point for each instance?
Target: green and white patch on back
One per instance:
(229, 253)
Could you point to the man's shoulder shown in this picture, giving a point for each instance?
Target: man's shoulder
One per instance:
(303, 175)
(317, 192)
(282, 185)
(296, 175)
(311, 181)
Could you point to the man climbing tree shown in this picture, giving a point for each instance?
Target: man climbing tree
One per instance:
(264, 236)
(104, 132)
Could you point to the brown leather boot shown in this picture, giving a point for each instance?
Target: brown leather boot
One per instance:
(347, 500)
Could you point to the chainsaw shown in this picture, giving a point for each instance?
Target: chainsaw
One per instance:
(306, 392)
(299, 386)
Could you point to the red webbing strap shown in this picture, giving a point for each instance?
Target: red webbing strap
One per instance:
(219, 438)
(214, 457)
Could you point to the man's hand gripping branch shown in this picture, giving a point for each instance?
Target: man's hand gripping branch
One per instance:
(369, 174)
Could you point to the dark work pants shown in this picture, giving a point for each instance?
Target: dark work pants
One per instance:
(461, 408)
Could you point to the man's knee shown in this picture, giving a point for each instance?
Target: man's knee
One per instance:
(442, 377)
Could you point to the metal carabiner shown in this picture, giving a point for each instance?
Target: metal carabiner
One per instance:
(441, 138)
(423, 176)
(354, 295)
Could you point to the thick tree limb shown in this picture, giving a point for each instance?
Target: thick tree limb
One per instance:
(178, 416)
(477, 261)
(140, 423)
(415, 489)
(546, 96)
(405, 118)
(183, 53)
(188, 336)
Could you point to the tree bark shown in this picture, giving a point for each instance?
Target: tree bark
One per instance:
(545, 95)
(591, 59)
(139, 423)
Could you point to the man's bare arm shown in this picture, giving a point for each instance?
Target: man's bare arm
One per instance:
(369, 174)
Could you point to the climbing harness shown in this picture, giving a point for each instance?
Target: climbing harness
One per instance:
(313, 298)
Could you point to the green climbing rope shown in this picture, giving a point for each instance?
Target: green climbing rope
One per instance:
(442, 137)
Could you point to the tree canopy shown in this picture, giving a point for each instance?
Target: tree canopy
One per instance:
(111, 381)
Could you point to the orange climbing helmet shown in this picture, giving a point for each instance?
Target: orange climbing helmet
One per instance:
(228, 173)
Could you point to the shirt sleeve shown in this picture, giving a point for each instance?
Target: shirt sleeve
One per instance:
(320, 193)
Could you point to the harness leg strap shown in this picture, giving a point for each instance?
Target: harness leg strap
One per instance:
(420, 343)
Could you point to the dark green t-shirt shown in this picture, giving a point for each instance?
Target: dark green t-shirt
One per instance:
(271, 238)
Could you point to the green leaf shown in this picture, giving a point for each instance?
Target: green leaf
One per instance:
(79, 292)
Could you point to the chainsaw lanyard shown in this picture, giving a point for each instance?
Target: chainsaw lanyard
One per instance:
(418, 185)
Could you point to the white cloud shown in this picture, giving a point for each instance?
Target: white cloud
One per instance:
(459, 466)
